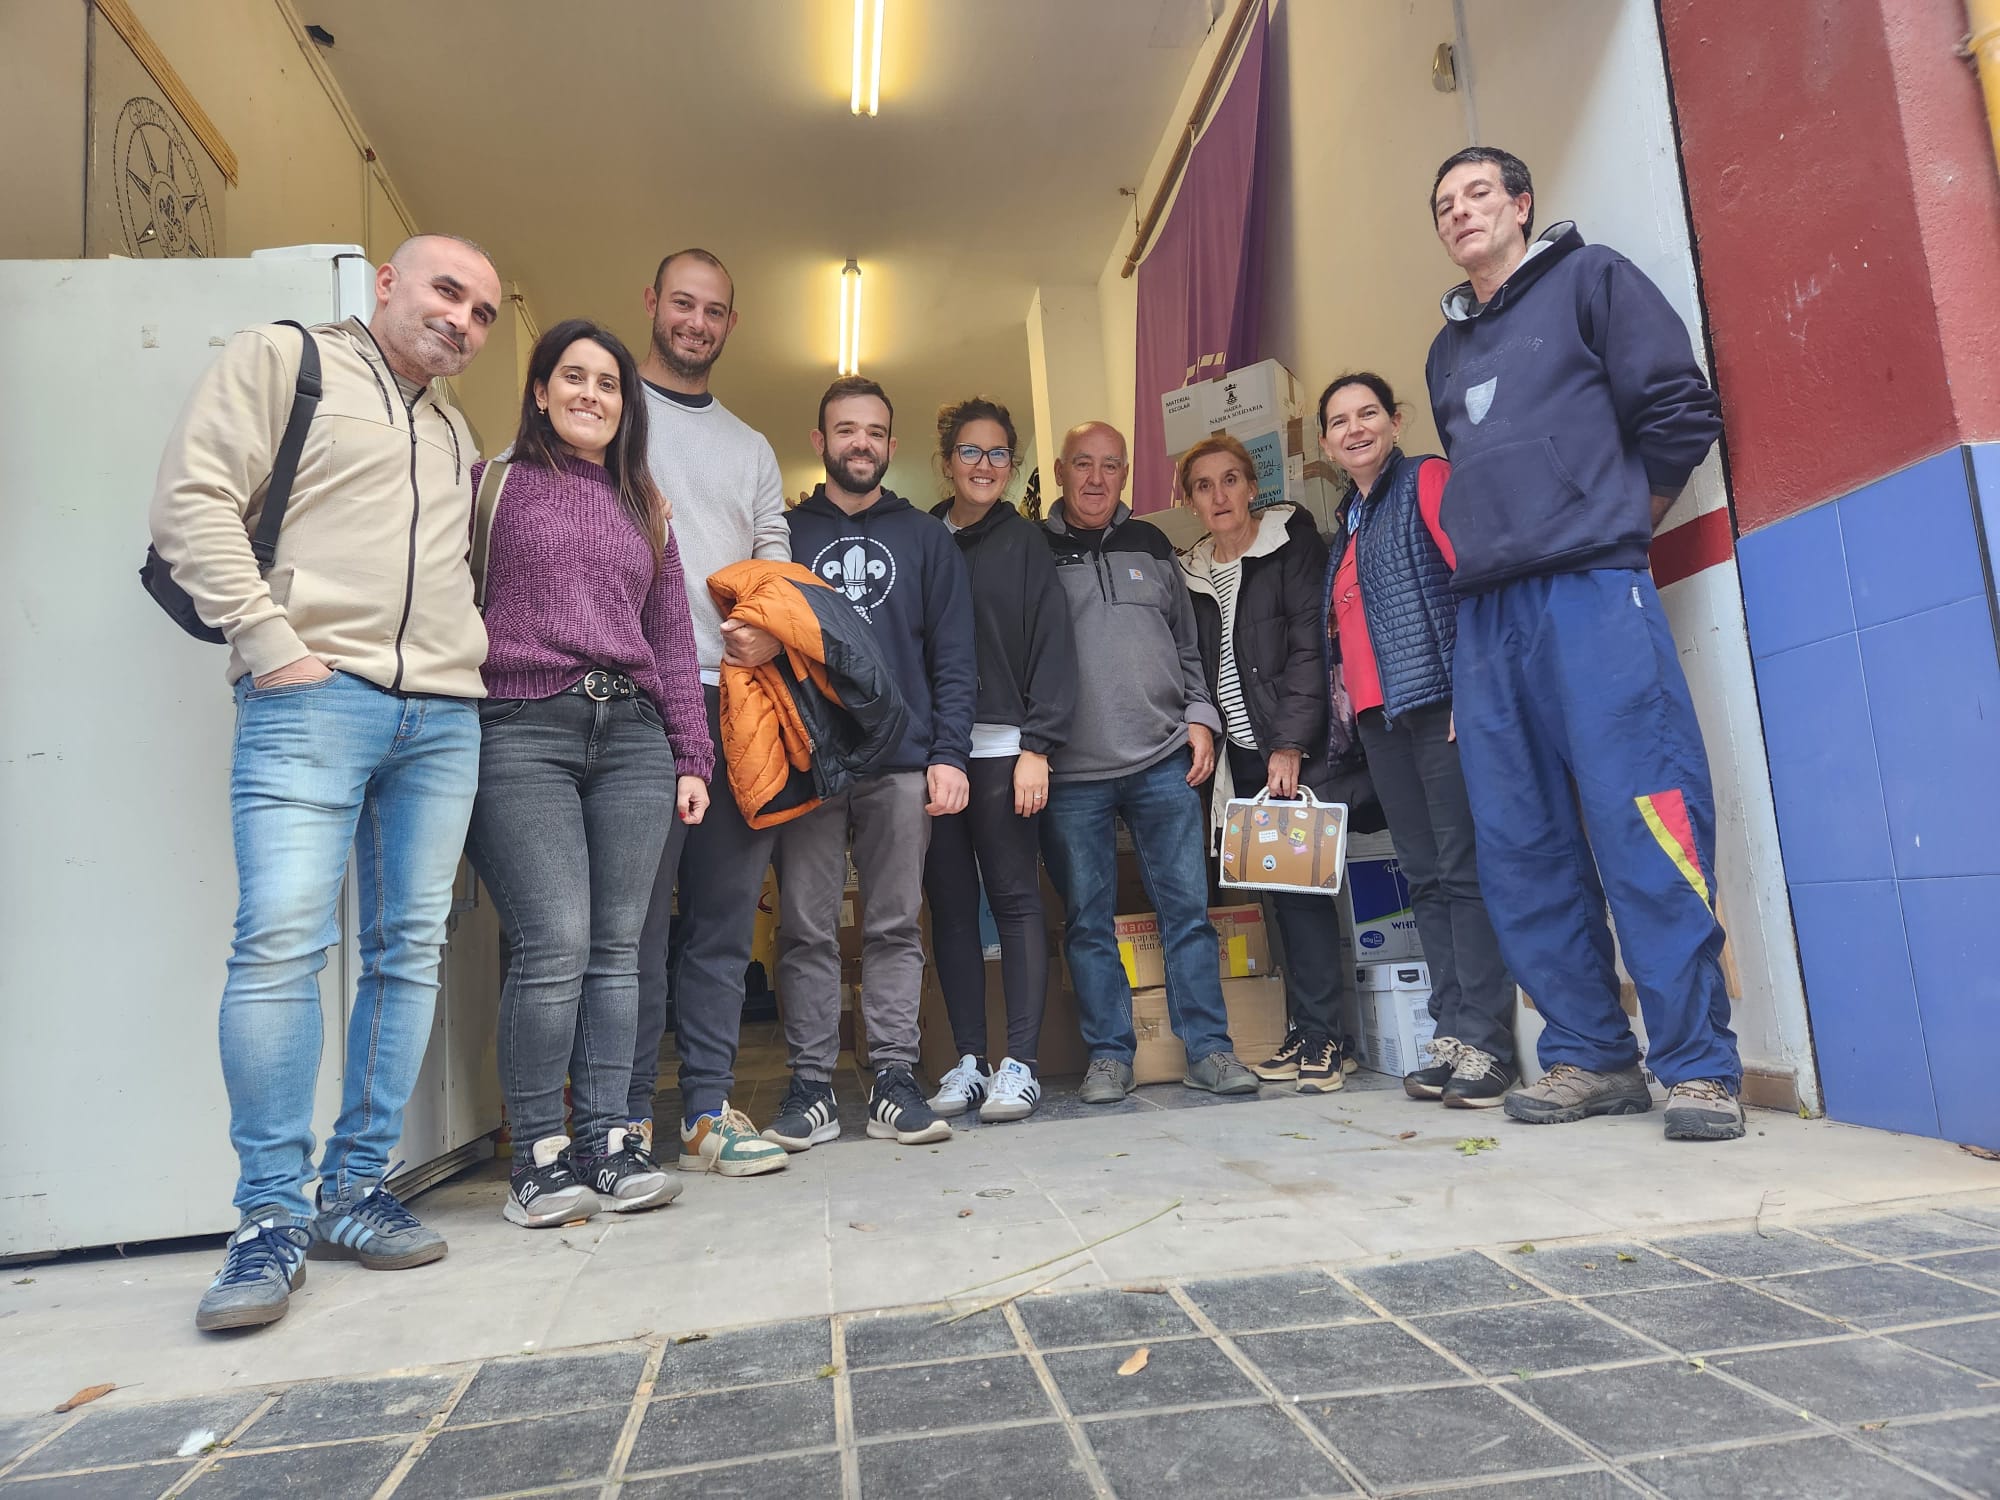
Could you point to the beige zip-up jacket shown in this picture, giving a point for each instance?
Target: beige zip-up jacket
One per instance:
(371, 572)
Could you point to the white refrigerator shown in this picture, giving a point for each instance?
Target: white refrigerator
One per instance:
(117, 880)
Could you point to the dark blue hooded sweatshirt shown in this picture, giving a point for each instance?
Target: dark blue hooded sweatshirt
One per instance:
(902, 571)
(1565, 404)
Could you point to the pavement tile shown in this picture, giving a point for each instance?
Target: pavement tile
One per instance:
(900, 1338)
(964, 1394)
(1814, 1469)
(1587, 1270)
(799, 1477)
(1014, 1463)
(747, 1356)
(1537, 1336)
(1880, 1295)
(1975, 1214)
(1744, 1252)
(1443, 1283)
(1655, 1408)
(20, 1433)
(734, 1424)
(134, 1434)
(1101, 1317)
(1596, 1484)
(539, 1385)
(1205, 1454)
(1179, 1373)
(1910, 1234)
(465, 1462)
(1974, 1344)
(1696, 1319)
(1358, 1357)
(1858, 1380)
(144, 1482)
(1413, 1437)
(1981, 1266)
(329, 1410)
(1283, 1299)
(1965, 1450)
(336, 1469)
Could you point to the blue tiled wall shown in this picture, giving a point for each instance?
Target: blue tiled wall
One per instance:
(1872, 631)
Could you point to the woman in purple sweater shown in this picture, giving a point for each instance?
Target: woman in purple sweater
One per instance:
(592, 736)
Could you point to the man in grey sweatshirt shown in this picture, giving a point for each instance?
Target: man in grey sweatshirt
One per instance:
(1143, 739)
(721, 478)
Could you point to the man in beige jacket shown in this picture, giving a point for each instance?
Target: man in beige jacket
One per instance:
(355, 665)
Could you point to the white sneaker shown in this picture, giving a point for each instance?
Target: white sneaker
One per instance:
(962, 1088)
(1015, 1093)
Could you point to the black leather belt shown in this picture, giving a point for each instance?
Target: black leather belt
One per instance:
(601, 686)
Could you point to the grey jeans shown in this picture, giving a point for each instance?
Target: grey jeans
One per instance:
(891, 832)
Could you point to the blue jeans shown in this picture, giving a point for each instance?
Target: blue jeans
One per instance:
(1081, 846)
(319, 769)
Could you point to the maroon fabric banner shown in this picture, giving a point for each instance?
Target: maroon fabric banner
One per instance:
(1201, 285)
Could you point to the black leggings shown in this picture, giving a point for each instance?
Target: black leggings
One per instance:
(989, 842)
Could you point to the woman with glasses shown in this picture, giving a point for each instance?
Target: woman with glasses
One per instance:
(1027, 690)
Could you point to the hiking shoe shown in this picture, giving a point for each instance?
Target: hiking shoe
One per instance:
(1566, 1093)
(1350, 1057)
(1015, 1093)
(1479, 1080)
(375, 1229)
(1428, 1083)
(897, 1111)
(1319, 1066)
(1703, 1109)
(547, 1191)
(806, 1116)
(724, 1142)
(964, 1087)
(263, 1264)
(625, 1178)
(1220, 1073)
(1107, 1081)
(1282, 1066)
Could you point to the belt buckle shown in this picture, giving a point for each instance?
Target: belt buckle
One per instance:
(597, 686)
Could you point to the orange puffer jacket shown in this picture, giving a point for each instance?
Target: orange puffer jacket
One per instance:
(820, 714)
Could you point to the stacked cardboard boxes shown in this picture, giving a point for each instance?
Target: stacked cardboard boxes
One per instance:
(1263, 407)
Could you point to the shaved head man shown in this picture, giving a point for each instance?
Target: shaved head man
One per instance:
(435, 301)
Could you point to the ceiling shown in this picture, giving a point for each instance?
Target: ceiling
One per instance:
(580, 143)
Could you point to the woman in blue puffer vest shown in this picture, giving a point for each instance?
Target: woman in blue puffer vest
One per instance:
(1391, 617)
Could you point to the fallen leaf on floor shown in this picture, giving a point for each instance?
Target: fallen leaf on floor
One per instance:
(1623, 1256)
(1116, 1154)
(1295, 1135)
(87, 1395)
(1981, 1152)
(827, 1372)
(1699, 1363)
(1522, 1374)
(691, 1338)
(1395, 1255)
(24, 1281)
(1873, 1426)
(1146, 1289)
(1804, 1113)
(857, 1224)
(1473, 1145)
(1408, 1135)
(1135, 1361)
(1524, 1248)
(1590, 1265)
(965, 1213)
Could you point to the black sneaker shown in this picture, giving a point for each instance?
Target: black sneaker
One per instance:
(1428, 1083)
(625, 1178)
(1319, 1066)
(805, 1117)
(546, 1191)
(898, 1112)
(1282, 1066)
(1478, 1080)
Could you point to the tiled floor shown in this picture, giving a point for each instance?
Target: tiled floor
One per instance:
(1841, 1356)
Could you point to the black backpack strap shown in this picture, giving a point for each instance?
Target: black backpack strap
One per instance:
(278, 495)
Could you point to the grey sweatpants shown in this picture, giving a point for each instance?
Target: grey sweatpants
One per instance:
(891, 831)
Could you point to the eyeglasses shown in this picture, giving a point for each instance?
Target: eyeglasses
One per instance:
(970, 454)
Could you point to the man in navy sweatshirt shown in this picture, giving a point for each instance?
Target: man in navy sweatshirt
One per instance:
(1570, 403)
(902, 571)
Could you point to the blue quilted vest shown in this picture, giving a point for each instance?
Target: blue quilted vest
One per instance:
(1405, 589)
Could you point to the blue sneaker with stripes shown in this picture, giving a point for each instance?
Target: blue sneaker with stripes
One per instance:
(370, 1226)
(264, 1265)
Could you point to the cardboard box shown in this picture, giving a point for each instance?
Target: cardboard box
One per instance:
(1062, 1051)
(1375, 903)
(1253, 399)
(1256, 1027)
(1243, 944)
(1287, 846)
(1394, 1006)
(1184, 416)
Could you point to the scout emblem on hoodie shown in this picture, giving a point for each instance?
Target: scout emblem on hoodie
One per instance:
(861, 568)
(1479, 399)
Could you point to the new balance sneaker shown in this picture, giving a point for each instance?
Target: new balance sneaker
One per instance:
(625, 1178)
(547, 1191)
(964, 1087)
(1428, 1083)
(1015, 1093)
(1220, 1073)
(374, 1228)
(1479, 1080)
(1282, 1066)
(263, 1263)
(1703, 1109)
(1567, 1093)
(897, 1111)
(724, 1142)
(1106, 1081)
(806, 1116)
(1319, 1066)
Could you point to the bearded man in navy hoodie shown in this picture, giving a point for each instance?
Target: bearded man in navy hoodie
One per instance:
(901, 570)
(1570, 403)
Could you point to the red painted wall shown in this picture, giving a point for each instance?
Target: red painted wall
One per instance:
(1847, 222)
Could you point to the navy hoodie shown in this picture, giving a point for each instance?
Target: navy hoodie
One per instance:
(901, 571)
(1564, 404)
